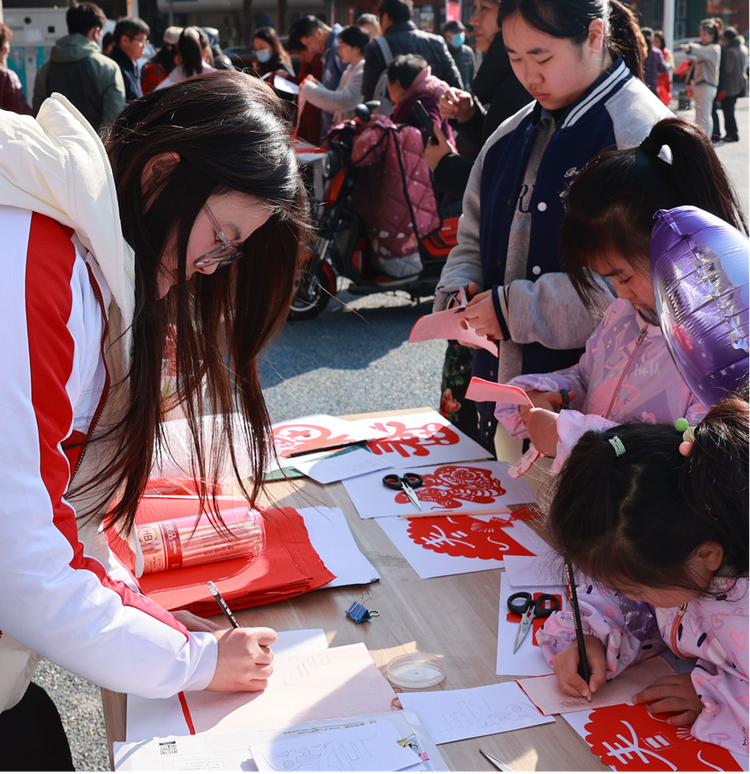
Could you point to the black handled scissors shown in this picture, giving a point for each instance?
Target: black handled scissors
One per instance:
(407, 483)
(523, 604)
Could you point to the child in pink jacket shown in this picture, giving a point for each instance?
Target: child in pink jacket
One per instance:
(663, 526)
(626, 373)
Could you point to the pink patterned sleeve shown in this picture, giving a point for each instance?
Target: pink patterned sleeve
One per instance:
(627, 629)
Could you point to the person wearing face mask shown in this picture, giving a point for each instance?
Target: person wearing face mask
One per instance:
(270, 54)
(455, 34)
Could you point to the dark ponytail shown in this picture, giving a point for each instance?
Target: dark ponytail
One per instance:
(629, 509)
(610, 206)
(191, 51)
(571, 19)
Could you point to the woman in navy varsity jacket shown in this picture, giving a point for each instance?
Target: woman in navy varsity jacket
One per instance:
(581, 61)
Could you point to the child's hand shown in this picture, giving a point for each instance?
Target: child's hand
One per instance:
(548, 400)
(566, 663)
(675, 694)
(480, 314)
(245, 658)
(542, 427)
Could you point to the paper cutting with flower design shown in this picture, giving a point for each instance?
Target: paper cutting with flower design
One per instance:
(319, 431)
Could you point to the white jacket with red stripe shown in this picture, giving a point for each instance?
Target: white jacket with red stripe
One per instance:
(66, 294)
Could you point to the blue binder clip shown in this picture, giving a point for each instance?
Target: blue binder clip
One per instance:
(358, 612)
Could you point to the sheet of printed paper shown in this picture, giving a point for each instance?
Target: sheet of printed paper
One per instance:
(471, 712)
(467, 486)
(316, 431)
(333, 683)
(420, 439)
(327, 467)
(148, 718)
(448, 545)
(628, 737)
(546, 695)
(230, 751)
(528, 659)
(333, 540)
(371, 747)
(450, 324)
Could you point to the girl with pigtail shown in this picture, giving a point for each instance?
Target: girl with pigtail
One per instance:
(657, 518)
(581, 62)
(626, 373)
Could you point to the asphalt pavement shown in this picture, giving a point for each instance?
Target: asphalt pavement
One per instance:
(354, 358)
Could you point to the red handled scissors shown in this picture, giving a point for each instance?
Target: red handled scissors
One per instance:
(406, 483)
(523, 604)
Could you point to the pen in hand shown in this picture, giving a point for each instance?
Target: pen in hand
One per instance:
(222, 604)
(583, 658)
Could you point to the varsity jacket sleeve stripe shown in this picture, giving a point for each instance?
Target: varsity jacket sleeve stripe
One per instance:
(56, 600)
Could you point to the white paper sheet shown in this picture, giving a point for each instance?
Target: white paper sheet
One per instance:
(546, 695)
(633, 750)
(283, 84)
(149, 718)
(327, 467)
(333, 540)
(371, 747)
(430, 558)
(230, 751)
(528, 660)
(469, 486)
(421, 439)
(337, 682)
(316, 431)
(472, 712)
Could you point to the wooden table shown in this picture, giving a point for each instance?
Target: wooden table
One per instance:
(454, 617)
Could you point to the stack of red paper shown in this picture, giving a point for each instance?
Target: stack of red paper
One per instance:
(288, 566)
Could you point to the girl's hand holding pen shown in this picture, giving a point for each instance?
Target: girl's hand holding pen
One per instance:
(675, 695)
(566, 663)
(244, 662)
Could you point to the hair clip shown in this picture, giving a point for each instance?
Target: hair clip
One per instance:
(617, 445)
(688, 435)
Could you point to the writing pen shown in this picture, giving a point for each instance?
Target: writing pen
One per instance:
(222, 604)
(582, 657)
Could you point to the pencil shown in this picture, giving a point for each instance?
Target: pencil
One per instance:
(584, 662)
(222, 604)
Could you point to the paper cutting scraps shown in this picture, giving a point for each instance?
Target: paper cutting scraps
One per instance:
(333, 683)
(450, 325)
(452, 545)
(630, 738)
(545, 692)
(360, 747)
(472, 712)
(448, 488)
(481, 390)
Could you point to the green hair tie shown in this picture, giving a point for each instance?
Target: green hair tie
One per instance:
(617, 445)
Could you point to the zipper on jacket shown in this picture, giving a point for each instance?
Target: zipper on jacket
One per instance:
(641, 337)
(675, 628)
(105, 390)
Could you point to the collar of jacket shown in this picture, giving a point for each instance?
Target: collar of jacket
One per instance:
(405, 26)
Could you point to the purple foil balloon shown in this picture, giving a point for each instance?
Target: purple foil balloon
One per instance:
(699, 267)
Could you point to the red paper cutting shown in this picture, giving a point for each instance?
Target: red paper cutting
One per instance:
(412, 441)
(629, 738)
(294, 439)
(450, 486)
(465, 536)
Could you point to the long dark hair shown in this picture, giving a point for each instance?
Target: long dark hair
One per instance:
(571, 19)
(191, 45)
(610, 206)
(270, 36)
(230, 134)
(636, 517)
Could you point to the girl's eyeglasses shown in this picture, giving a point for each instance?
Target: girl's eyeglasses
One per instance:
(220, 256)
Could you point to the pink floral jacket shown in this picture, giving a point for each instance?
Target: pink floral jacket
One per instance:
(625, 375)
(712, 630)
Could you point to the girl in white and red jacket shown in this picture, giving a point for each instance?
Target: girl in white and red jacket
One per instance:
(107, 249)
(657, 517)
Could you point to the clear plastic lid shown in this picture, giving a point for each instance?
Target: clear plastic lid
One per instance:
(416, 670)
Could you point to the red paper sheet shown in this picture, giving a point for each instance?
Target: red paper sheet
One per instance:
(289, 565)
